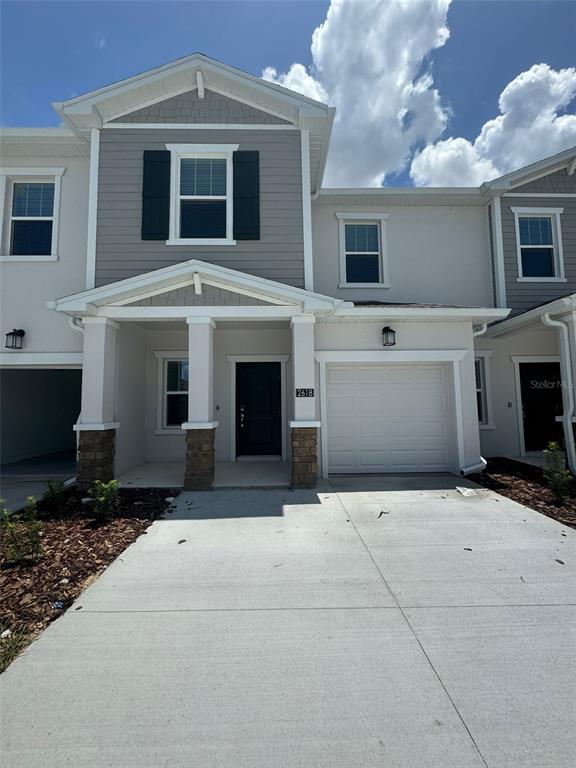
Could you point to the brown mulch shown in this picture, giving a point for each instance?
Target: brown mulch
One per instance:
(75, 550)
(527, 485)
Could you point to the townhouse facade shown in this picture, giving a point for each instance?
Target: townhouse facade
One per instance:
(190, 293)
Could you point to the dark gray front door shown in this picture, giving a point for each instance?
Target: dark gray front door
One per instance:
(258, 409)
(541, 388)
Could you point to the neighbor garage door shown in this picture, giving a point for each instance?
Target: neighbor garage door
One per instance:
(388, 418)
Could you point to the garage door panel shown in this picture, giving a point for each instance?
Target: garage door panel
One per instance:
(388, 418)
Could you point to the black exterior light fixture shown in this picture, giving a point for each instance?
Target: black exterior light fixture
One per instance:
(14, 339)
(388, 337)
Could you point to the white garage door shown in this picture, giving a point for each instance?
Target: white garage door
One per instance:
(388, 418)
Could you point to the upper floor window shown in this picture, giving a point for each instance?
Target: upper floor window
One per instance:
(539, 244)
(362, 252)
(201, 198)
(29, 226)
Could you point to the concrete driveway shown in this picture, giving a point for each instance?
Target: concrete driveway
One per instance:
(376, 622)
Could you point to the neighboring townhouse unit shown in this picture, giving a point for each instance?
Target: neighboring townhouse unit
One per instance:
(175, 242)
(526, 364)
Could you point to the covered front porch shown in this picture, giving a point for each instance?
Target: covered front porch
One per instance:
(198, 381)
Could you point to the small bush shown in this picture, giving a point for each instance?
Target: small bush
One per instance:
(52, 495)
(22, 533)
(106, 499)
(559, 478)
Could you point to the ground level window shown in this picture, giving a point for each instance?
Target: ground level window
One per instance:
(175, 393)
(481, 396)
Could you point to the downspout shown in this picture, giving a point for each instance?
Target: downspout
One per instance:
(569, 381)
(481, 466)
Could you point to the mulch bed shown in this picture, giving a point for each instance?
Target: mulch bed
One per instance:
(75, 550)
(527, 485)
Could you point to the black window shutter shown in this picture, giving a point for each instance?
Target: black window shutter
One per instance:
(246, 195)
(156, 195)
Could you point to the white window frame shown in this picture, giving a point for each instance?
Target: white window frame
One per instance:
(363, 218)
(10, 176)
(554, 215)
(483, 356)
(163, 359)
(180, 152)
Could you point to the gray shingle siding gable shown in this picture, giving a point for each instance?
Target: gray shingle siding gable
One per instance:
(525, 295)
(120, 251)
(188, 108)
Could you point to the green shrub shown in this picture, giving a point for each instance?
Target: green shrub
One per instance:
(22, 533)
(52, 495)
(559, 478)
(106, 499)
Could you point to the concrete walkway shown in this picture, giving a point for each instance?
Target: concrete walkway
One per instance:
(377, 622)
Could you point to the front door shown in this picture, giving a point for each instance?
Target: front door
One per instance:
(258, 409)
(541, 389)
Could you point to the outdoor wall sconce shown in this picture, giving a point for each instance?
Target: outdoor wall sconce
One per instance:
(14, 339)
(388, 337)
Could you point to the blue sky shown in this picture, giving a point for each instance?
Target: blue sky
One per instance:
(52, 51)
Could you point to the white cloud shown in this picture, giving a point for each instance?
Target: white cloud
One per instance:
(368, 62)
(530, 126)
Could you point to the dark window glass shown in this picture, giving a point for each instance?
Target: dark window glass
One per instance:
(31, 238)
(32, 199)
(176, 409)
(202, 218)
(535, 230)
(203, 177)
(361, 238)
(362, 268)
(537, 262)
(177, 376)
(480, 401)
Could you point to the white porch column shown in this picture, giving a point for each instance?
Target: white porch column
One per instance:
(99, 374)
(97, 425)
(200, 427)
(304, 428)
(200, 373)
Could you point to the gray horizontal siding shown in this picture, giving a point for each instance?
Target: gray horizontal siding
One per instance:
(520, 295)
(120, 252)
(188, 108)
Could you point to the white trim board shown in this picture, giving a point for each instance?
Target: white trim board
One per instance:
(18, 359)
(204, 126)
(233, 360)
(92, 208)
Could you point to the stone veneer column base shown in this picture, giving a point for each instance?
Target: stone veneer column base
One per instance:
(96, 450)
(200, 461)
(304, 457)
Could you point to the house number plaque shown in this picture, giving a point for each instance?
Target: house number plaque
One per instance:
(309, 392)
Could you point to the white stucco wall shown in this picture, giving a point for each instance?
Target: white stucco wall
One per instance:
(26, 286)
(503, 438)
(437, 254)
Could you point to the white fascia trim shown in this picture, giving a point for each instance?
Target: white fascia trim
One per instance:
(498, 245)
(439, 314)
(539, 194)
(537, 211)
(163, 278)
(566, 304)
(203, 126)
(360, 216)
(184, 313)
(92, 208)
(32, 171)
(202, 149)
(385, 356)
(41, 359)
(257, 358)
(307, 210)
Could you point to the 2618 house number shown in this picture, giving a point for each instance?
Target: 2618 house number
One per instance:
(305, 392)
